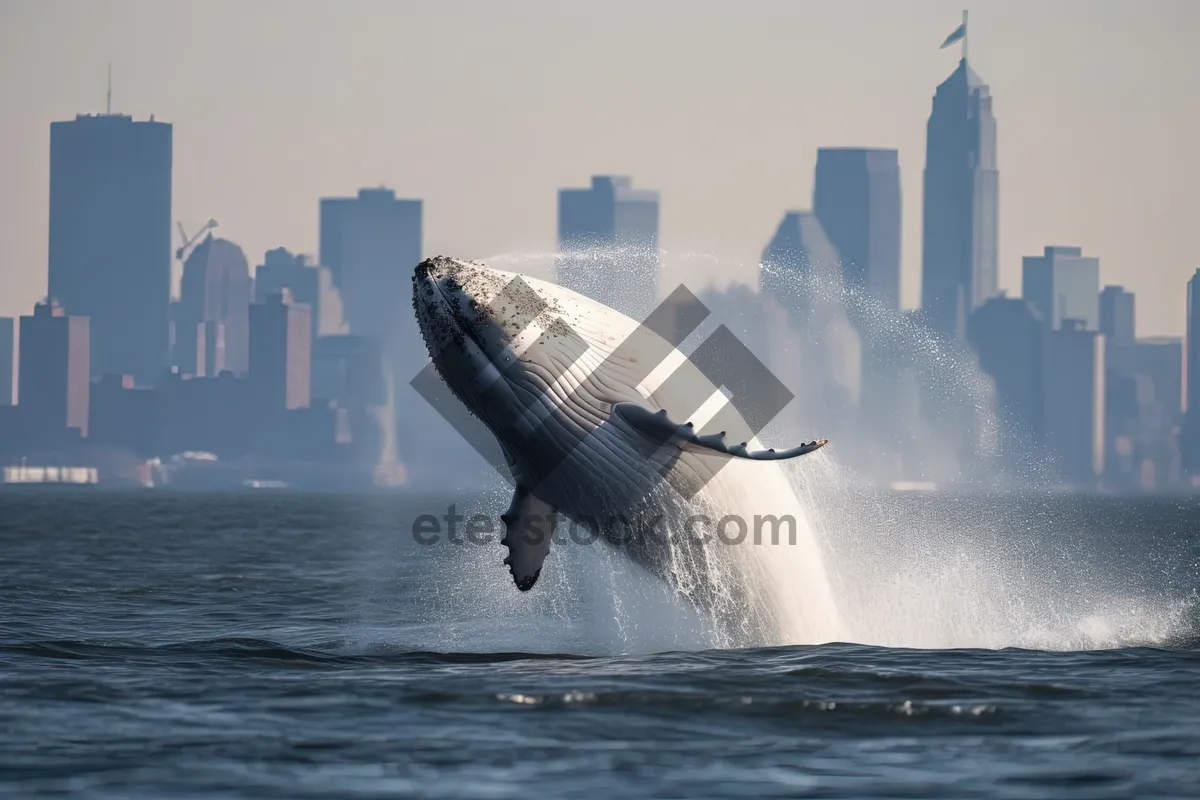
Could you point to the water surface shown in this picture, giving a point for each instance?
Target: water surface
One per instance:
(284, 645)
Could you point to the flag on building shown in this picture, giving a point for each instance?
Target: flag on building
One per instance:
(958, 34)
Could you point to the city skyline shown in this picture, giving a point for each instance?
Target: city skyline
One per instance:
(638, 398)
(489, 187)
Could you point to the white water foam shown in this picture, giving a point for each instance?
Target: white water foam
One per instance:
(863, 567)
(866, 568)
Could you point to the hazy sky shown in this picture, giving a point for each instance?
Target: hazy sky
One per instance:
(485, 108)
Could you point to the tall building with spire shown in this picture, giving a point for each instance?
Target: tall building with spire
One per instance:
(961, 201)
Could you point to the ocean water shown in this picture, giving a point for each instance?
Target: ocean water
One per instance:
(275, 644)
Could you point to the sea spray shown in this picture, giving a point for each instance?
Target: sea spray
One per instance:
(867, 565)
(975, 570)
(764, 565)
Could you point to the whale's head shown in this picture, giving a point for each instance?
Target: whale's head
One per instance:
(478, 324)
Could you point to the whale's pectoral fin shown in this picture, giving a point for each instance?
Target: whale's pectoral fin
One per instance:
(659, 427)
(529, 526)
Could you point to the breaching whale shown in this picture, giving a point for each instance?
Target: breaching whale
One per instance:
(584, 403)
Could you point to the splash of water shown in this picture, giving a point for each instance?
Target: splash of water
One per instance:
(764, 560)
(764, 591)
(980, 571)
(863, 565)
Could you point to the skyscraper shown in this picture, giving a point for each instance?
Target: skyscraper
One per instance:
(1117, 315)
(608, 244)
(54, 381)
(280, 354)
(8, 356)
(1144, 399)
(110, 237)
(371, 243)
(823, 343)
(1075, 383)
(215, 288)
(1192, 395)
(309, 283)
(1010, 338)
(1143, 409)
(1191, 428)
(856, 196)
(1160, 359)
(1063, 284)
(961, 203)
(799, 256)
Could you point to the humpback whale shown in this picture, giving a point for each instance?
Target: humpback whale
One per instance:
(589, 408)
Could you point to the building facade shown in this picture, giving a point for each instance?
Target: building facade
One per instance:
(856, 196)
(371, 244)
(215, 292)
(1191, 428)
(54, 381)
(1075, 384)
(280, 354)
(1009, 337)
(1143, 410)
(1063, 284)
(8, 358)
(110, 237)
(1118, 316)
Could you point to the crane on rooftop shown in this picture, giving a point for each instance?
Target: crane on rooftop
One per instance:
(190, 242)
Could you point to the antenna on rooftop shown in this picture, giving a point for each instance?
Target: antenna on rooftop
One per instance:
(108, 105)
(965, 32)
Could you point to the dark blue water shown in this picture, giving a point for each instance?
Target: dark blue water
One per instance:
(281, 645)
